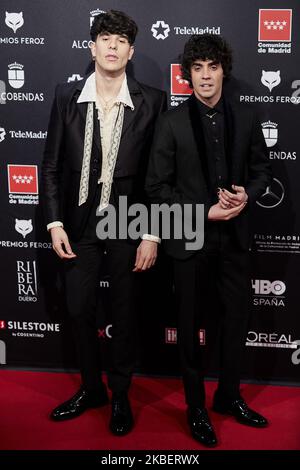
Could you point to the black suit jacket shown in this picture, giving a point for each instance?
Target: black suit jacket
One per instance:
(178, 169)
(61, 168)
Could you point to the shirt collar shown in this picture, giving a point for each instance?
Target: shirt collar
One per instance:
(205, 109)
(89, 94)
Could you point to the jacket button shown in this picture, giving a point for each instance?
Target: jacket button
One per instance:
(94, 170)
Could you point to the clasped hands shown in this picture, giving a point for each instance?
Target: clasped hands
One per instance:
(230, 204)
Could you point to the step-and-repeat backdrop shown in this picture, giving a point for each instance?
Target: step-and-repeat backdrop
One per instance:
(43, 43)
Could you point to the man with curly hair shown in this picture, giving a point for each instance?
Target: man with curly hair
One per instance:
(99, 138)
(210, 151)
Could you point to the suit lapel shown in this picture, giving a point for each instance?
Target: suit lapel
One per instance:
(137, 99)
(82, 109)
(233, 153)
(129, 115)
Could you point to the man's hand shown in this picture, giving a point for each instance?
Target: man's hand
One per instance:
(217, 212)
(228, 200)
(60, 243)
(146, 255)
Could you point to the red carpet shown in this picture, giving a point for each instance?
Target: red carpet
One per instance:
(158, 406)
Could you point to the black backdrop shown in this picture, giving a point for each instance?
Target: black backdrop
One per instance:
(43, 43)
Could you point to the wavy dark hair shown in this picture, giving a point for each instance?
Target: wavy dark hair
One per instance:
(114, 22)
(206, 47)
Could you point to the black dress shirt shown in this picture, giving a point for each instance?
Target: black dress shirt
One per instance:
(214, 136)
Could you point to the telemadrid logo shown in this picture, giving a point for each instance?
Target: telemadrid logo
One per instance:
(2, 134)
(160, 30)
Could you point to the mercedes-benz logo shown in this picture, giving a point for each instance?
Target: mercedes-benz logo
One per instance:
(273, 195)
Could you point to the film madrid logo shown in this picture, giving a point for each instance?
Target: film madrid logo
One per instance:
(274, 31)
(85, 43)
(270, 132)
(14, 21)
(180, 89)
(268, 293)
(23, 184)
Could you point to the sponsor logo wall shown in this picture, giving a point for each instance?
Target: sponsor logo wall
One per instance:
(37, 52)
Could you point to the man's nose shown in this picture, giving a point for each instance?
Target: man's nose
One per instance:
(113, 44)
(205, 73)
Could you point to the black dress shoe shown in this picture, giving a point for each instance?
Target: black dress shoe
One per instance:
(80, 402)
(201, 427)
(241, 412)
(121, 421)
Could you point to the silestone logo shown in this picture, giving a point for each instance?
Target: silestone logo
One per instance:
(32, 329)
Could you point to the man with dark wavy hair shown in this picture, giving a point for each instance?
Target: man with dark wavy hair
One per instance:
(211, 151)
(97, 148)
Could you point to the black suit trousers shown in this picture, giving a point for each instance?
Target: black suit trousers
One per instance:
(219, 262)
(82, 285)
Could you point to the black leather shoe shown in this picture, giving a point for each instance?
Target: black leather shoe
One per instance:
(241, 412)
(80, 402)
(201, 427)
(121, 421)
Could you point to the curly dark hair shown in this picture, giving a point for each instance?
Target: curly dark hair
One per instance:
(206, 47)
(114, 22)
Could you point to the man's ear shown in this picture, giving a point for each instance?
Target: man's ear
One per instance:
(131, 52)
(93, 49)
